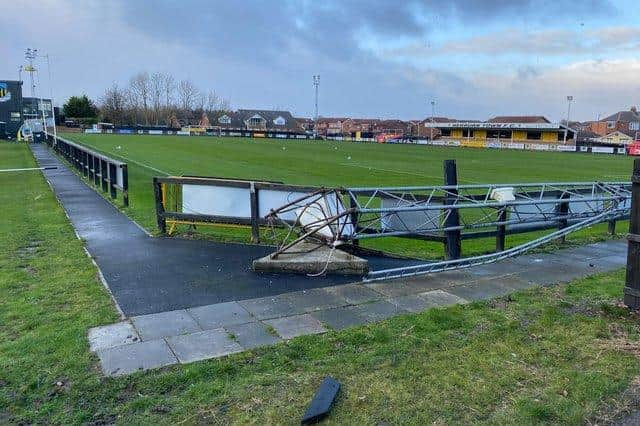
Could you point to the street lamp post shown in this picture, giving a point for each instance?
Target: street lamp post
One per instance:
(433, 113)
(566, 130)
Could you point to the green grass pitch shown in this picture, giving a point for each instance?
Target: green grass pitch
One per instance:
(330, 163)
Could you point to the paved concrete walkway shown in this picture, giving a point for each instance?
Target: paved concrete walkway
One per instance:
(193, 300)
(148, 275)
(187, 335)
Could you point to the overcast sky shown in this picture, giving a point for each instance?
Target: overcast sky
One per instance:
(376, 58)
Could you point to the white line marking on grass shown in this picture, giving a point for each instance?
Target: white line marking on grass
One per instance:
(126, 158)
(399, 171)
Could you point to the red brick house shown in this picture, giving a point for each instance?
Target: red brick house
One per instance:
(330, 126)
(622, 121)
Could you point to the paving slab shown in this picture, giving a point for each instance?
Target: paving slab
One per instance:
(416, 285)
(270, 307)
(203, 345)
(220, 315)
(297, 325)
(139, 356)
(354, 294)
(109, 336)
(479, 290)
(339, 318)
(252, 335)
(378, 311)
(511, 282)
(552, 273)
(438, 298)
(315, 299)
(165, 324)
(411, 303)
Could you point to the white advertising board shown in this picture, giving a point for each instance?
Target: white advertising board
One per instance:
(155, 132)
(515, 146)
(216, 201)
(494, 145)
(565, 148)
(182, 132)
(539, 147)
(602, 149)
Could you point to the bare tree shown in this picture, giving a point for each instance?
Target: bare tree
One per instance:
(156, 85)
(140, 88)
(113, 105)
(188, 95)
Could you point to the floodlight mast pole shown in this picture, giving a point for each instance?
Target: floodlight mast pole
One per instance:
(53, 111)
(433, 113)
(30, 55)
(566, 130)
(316, 83)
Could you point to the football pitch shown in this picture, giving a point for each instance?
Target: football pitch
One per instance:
(329, 163)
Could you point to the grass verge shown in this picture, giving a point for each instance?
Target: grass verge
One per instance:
(564, 354)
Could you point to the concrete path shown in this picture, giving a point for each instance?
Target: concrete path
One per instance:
(148, 275)
(193, 300)
(187, 335)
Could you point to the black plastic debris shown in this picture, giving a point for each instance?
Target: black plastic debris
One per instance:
(322, 401)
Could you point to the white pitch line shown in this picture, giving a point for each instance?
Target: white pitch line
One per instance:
(399, 172)
(129, 159)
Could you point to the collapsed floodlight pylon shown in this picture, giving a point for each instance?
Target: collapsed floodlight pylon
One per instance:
(422, 212)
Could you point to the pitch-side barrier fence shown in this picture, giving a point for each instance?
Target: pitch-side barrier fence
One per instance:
(106, 173)
(447, 214)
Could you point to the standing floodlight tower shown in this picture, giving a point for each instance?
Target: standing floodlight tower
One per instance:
(316, 83)
(433, 113)
(566, 130)
(30, 55)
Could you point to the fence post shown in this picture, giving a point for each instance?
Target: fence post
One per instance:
(104, 175)
(632, 282)
(353, 203)
(157, 192)
(255, 213)
(112, 180)
(125, 185)
(562, 211)
(612, 221)
(502, 229)
(96, 171)
(452, 245)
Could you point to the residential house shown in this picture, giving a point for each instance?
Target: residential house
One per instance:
(623, 121)
(362, 125)
(307, 124)
(267, 120)
(330, 126)
(616, 138)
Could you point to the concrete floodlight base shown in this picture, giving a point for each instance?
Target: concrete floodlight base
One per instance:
(306, 258)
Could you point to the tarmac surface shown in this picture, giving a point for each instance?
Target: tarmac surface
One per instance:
(148, 275)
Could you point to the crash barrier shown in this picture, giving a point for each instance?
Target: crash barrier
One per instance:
(205, 200)
(105, 172)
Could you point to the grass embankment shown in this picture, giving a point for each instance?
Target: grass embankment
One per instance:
(330, 163)
(561, 355)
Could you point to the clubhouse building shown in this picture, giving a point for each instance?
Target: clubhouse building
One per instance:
(520, 130)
